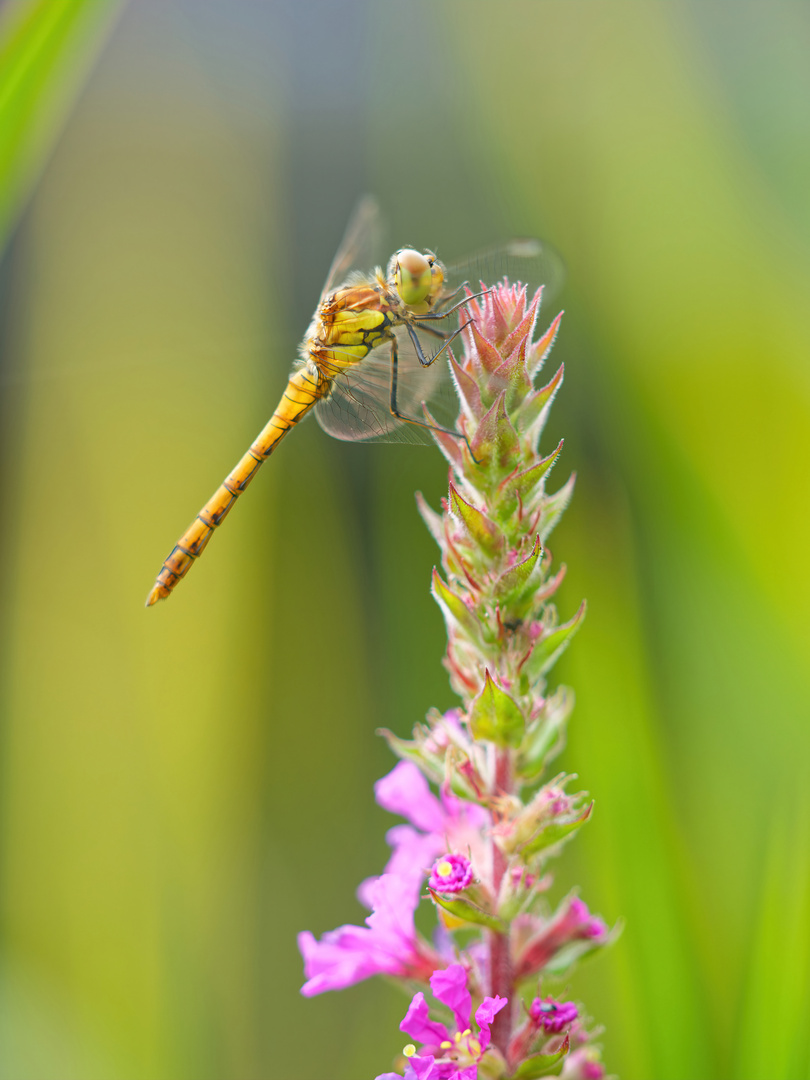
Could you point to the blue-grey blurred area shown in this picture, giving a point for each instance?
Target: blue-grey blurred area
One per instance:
(183, 789)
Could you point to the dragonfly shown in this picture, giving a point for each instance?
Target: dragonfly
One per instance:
(367, 362)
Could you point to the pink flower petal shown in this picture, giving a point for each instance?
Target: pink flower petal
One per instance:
(423, 1068)
(485, 1014)
(394, 900)
(450, 987)
(419, 1026)
(406, 792)
(458, 810)
(386, 945)
(413, 852)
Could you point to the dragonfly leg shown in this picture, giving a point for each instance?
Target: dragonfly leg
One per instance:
(410, 419)
(427, 361)
(442, 335)
(451, 296)
(444, 314)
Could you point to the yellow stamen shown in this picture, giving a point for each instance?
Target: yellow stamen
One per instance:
(409, 1050)
(445, 1045)
(445, 868)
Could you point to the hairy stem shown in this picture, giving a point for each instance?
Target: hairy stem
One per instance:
(500, 959)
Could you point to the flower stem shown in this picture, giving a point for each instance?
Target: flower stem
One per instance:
(500, 960)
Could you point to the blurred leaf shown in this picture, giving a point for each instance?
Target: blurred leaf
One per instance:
(540, 1064)
(557, 831)
(467, 912)
(773, 1034)
(46, 49)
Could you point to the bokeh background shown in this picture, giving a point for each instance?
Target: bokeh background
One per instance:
(185, 788)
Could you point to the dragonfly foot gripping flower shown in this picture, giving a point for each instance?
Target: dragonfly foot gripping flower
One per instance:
(479, 850)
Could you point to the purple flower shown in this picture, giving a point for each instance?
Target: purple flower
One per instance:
(388, 944)
(552, 1015)
(583, 1064)
(451, 874)
(445, 1055)
(578, 922)
(573, 922)
(436, 824)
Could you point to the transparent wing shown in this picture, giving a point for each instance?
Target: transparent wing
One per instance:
(527, 260)
(358, 407)
(358, 248)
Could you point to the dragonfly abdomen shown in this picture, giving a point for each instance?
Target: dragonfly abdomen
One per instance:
(305, 387)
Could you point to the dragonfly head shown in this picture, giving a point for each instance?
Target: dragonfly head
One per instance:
(418, 277)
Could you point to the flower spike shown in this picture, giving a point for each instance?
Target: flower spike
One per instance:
(480, 848)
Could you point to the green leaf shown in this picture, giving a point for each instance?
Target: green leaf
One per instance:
(455, 610)
(524, 483)
(552, 507)
(554, 832)
(548, 648)
(495, 438)
(467, 389)
(431, 519)
(563, 961)
(545, 734)
(430, 764)
(511, 586)
(542, 347)
(467, 912)
(489, 357)
(534, 410)
(540, 1064)
(478, 525)
(46, 49)
(495, 716)
(511, 377)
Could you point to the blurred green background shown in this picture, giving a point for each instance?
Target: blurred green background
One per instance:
(185, 788)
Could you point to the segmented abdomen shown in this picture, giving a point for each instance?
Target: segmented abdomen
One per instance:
(305, 387)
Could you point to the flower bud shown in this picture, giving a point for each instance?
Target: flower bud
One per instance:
(552, 1016)
(573, 932)
(451, 874)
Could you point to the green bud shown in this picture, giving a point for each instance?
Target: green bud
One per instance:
(540, 1064)
(467, 912)
(495, 716)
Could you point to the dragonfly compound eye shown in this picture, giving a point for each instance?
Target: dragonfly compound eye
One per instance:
(413, 276)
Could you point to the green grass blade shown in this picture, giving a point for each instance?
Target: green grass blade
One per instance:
(46, 50)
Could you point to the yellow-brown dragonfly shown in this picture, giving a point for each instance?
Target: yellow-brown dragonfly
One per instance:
(364, 362)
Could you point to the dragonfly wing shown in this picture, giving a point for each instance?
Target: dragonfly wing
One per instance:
(529, 261)
(358, 407)
(359, 244)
